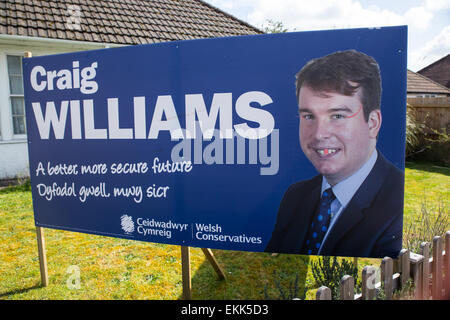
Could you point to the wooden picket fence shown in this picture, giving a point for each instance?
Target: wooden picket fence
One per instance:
(430, 276)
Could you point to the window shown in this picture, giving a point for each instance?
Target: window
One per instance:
(16, 94)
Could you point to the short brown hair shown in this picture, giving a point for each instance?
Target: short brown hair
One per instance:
(336, 71)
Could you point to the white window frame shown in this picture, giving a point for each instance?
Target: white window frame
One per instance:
(6, 120)
(15, 136)
(5, 129)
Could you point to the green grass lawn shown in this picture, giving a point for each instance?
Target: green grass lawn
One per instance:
(113, 268)
(425, 184)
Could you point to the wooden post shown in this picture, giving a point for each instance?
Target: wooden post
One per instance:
(42, 256)
(323, 293)
(355, 262)
(425, 252)
(417, 273)
(347, 288)
(210, 256)
(186, 272)
(368, 290)
(387, 268)
(404, 267)
(447, 265)
(40, 236)
(437, 268)
(186, 269)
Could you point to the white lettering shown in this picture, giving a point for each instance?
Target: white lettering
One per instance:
(247, 112)
(51, 119)
(33, 78)
(165, 106)
(221, 104)
(113, 122)
(90, 131)
(139, 118)
(65, 78)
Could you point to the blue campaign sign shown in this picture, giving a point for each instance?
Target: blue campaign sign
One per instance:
(196, 143)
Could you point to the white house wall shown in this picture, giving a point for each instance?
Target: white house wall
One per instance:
(13, 159)
(13, 148)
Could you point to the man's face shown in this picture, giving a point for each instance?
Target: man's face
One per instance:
(334, 134)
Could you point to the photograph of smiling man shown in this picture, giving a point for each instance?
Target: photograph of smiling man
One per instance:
(354, 206)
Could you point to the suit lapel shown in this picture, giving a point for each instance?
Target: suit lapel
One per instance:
(354, 212)
(303, 212)
(347, 220)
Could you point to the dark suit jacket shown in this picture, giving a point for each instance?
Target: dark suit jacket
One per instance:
(370, 225)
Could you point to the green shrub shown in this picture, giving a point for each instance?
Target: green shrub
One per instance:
(432, 221)
(406, 292)
(414, 134)
(329, 272)
(289, 293)
(426, 144)
(271, 26)
(438, 148)
(21, 184)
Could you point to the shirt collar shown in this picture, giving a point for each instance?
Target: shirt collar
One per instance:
(345, 189)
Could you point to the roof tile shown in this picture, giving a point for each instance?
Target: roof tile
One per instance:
(417, 83)
(42, 33)
(32, 32)
(119, 21)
